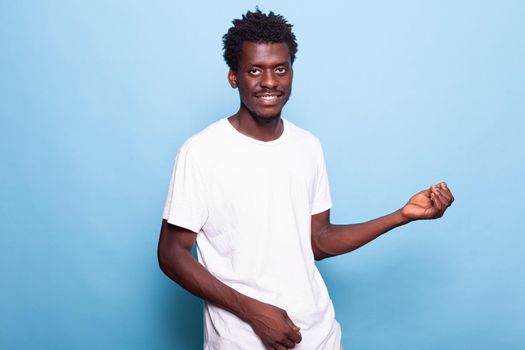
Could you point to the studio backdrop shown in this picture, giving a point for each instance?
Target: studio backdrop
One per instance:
(97, 96)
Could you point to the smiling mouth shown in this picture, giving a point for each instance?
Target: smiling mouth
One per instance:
(269, 98)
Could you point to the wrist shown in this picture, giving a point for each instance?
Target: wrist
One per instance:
(245, 307)
(401, 219)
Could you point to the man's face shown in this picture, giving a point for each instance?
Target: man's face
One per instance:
(264, 78)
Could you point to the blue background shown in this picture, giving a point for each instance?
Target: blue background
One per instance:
(96, 97)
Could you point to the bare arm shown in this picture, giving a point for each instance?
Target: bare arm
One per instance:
(269, 322)
(331, 240)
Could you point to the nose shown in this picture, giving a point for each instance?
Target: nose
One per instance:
(269, 80)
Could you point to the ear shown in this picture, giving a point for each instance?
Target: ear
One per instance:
(232, 78)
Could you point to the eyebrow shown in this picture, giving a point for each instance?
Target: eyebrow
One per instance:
(275, 65)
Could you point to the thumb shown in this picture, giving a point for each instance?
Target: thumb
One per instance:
(427, 191)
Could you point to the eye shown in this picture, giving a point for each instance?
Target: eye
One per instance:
(281, 70)
(254, 71)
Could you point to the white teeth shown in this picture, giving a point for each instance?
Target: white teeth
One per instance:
(268, 97)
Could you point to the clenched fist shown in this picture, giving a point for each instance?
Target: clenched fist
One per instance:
(273, 326)
(428, 204)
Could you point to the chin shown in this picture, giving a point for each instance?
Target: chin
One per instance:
(265, 117)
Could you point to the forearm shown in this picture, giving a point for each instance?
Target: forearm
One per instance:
(335, 240)
(181, 267)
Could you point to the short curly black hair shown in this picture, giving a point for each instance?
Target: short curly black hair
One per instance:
(257, 27)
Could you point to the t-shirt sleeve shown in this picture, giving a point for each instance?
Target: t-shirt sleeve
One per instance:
(185, 204)
(322, 200)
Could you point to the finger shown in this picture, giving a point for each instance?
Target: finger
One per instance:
(279, 347)
(446, 195)
(294, 335)
(287, 343)
(443, 197)
(444, 207)
(435, 202)
(292, 325)
(446, 192)
(439, 201)
(447, 198)
(445, 187)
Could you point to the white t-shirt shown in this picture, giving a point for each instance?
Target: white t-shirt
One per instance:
(251, 204)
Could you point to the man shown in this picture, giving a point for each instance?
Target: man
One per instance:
(252, 191)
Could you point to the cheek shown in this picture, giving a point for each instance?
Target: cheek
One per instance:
(288, 87)
(243, 91)
(246, 86)
(246, 97)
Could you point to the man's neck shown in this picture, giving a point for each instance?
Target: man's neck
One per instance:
(257, 127)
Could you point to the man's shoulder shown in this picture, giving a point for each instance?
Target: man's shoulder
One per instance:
(303, 135)
(205, 139)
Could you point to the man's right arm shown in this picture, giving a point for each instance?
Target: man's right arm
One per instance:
(269, 322)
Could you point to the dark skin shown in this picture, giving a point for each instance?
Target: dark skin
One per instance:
(264, 80)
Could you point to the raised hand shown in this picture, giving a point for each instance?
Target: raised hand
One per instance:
(428, 204)
(273, 326)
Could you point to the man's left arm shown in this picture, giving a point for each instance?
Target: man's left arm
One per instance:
(331, 240)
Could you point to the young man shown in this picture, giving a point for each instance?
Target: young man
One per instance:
(252, 191)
